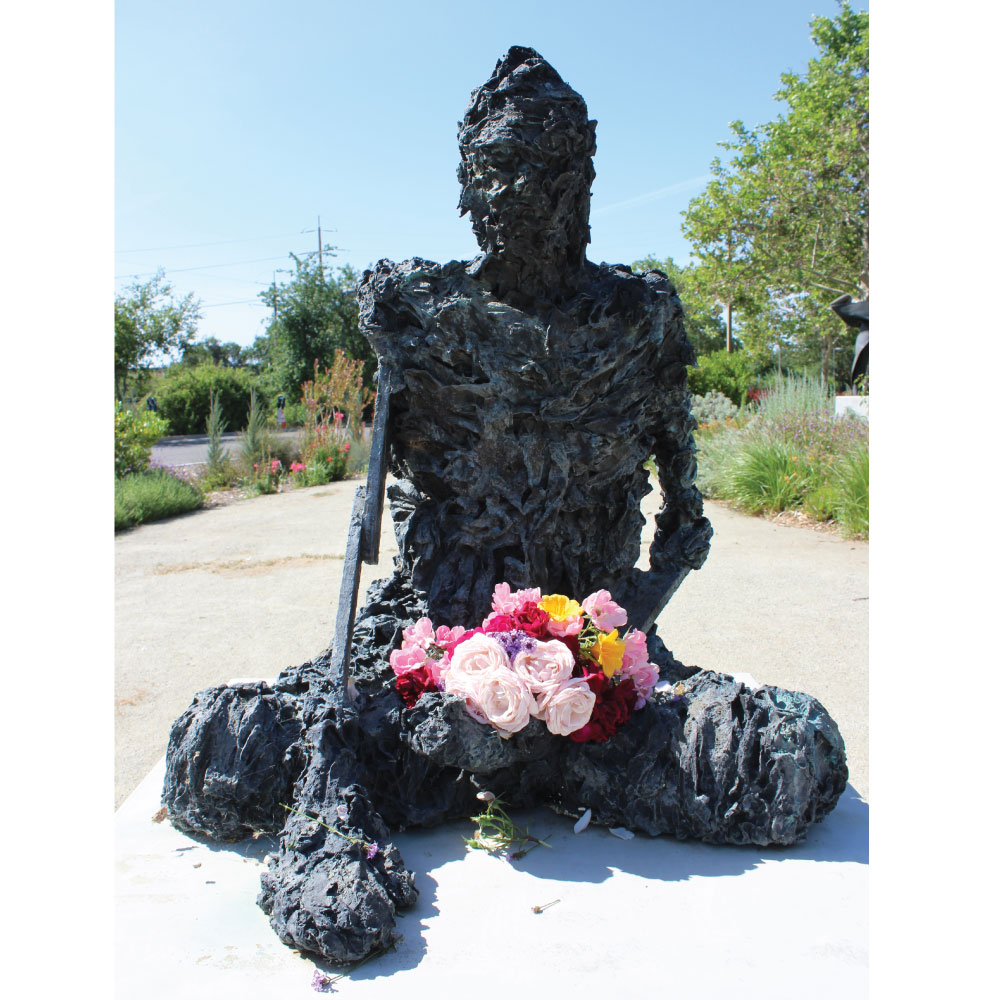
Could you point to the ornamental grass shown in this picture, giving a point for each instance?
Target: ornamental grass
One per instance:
(791, 452)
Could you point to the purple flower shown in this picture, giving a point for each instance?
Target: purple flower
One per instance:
(372, 850)
(321, 983)
(514, 642)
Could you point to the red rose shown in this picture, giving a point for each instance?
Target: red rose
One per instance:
(611, 710)
(573, 643)
(501, 623)
(413, 683)
(449, 647)
(532, 620)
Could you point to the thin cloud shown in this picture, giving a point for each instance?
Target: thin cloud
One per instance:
(643, 199)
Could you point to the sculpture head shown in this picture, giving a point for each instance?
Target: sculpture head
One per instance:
(527, 167)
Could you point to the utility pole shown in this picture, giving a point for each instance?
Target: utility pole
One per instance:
(274, 296)
(319, 240)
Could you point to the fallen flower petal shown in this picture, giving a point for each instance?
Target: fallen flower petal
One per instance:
(582, 823)
(621, 832)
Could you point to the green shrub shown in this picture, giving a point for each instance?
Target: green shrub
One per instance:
(729, 373)
(287, 448)
(712, 408)
(265, 476)
(296, 414)
(150, 496)
(136, 431)
(185, 396)
(851, 504)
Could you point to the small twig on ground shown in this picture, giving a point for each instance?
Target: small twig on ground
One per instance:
(545, 906)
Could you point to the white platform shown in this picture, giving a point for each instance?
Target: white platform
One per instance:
(857, 405)
(682, 918)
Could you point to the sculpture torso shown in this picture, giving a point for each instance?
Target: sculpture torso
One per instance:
(523, 427)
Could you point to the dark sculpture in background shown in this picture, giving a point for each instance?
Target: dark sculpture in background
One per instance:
(855, 314)
(522, 393)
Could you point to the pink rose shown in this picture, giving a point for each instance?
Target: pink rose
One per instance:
(421, 634)
(635, 648)
(569, 707)
(568, 626)
(507, 603)
(606, 614)
(444, 636)
(645, 677)
(635, 664)
(544, 669)
(503, 698)
(474, 656)
(405, 659)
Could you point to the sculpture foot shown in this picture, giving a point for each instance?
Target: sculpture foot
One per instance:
(336, 883)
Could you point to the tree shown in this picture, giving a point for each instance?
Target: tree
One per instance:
(210, 351)
(150, 325)
(703, 320)
(782, 229)
(316, 313)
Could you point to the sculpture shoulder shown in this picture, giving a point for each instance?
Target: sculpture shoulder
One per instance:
(648, 300)
(417, 281)
(646, 286)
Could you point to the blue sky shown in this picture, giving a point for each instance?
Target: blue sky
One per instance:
(237, 124)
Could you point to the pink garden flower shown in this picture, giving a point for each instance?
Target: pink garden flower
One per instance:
(504, 602)
(502, 697)
(606, 614)
(407, 658)
(544, 669)
(421, 634)
(568, 626)
(569, 707)
(635, 664)
(635, 648)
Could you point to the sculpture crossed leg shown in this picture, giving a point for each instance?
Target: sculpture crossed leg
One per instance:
(722, 764)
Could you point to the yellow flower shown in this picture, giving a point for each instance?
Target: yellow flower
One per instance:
(609, 651)
(559, 607)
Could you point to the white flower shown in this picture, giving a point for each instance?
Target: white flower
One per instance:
(503, 698)
(470, 659)
(545, 668)
(568, 707)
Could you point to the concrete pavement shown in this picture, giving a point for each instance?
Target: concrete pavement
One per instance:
(247, 589)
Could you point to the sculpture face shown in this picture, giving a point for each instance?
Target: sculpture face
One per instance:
(526, 167)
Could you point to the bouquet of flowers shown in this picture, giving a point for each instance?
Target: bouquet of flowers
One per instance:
(550, 658)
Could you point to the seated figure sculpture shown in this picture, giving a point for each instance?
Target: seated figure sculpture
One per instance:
(528, 389)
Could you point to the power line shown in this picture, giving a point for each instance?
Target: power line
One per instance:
(218, 243)
(202, 267)
(237, 302)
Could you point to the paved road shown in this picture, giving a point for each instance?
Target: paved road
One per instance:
(192, 449)
(248, 589)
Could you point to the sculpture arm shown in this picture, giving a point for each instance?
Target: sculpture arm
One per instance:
(681, 541)
(683, 533)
